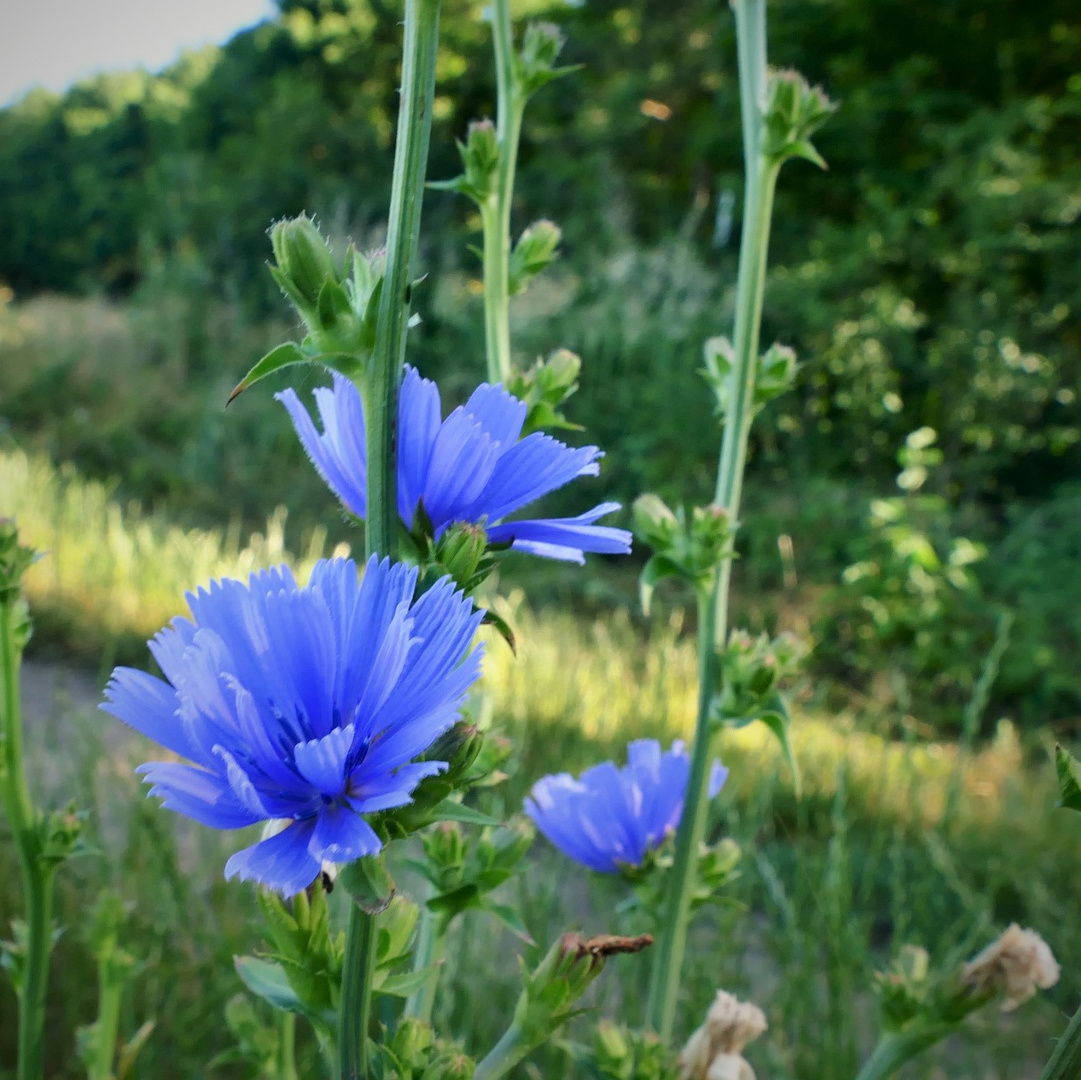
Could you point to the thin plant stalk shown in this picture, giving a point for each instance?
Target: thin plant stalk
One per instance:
(37, 875)
(495, 213)
(431, 950)
(760, 182)
(380, 392)
(287, 1036)
(506, 1053)
(380, 388)
(895, 1049)
(1065, 1062)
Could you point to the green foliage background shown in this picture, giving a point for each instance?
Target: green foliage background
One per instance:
(930, 279)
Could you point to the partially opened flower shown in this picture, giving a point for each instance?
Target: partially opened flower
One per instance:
(610, 819)
(304, 706)
(470, 468)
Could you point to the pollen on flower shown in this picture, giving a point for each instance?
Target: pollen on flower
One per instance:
(1017, 963)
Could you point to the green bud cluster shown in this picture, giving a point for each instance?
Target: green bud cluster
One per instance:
(716, 867)
(551, 990)
(60, 832)
(302, 973)
(545, 388)
(337, 303)
(465, 871)
(15, 560)
(619, 1053)
(689, 549)
(774, 375)
(535, 64)
(751, 671)
(794, 111)
(415, 1053)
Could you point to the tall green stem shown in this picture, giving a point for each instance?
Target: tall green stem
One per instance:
(1065, 1062)
(495, 214)
(380, 391)
(37, 877)
(761, 178)
(356, 999)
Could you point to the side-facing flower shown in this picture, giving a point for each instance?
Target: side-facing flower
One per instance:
(471, 468)
(306, 706)
(610, 819)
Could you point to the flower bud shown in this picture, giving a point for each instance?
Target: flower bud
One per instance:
(453, 1065)
(794, 111)
(460, 551)
(541, 46)
(481, 157)
(445, 849)
(535, 250)
(304, 261)
(654, 522)
(412, 1041)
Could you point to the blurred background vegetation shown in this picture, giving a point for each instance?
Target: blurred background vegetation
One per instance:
(930, 280)
(914, 505)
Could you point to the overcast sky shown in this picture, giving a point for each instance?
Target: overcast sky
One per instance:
(54, 43)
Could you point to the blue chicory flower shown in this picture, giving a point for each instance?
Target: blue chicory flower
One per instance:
(611, 819)
(471, 468)
(303, 704)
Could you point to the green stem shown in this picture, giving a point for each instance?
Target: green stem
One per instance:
(356, 1000)
(895, 1050)
(110, 991)
(380, 392)
(506, 1053)
(431, 949)
(495, 215)
(1065, 1062)
(380, 389)
(287, 1034)
(37, 878)
(761, 179)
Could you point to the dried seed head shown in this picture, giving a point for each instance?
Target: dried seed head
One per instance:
(1016, 964)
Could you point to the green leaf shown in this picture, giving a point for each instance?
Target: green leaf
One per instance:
(368, 883)
(509, 918)
(267, 980)
(777, 719)
(125, 1062)
(503, 628)
(1069, 779)
(658, 569)
(406, 983)
(282, 356)
(449, 810)
(333, 305)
